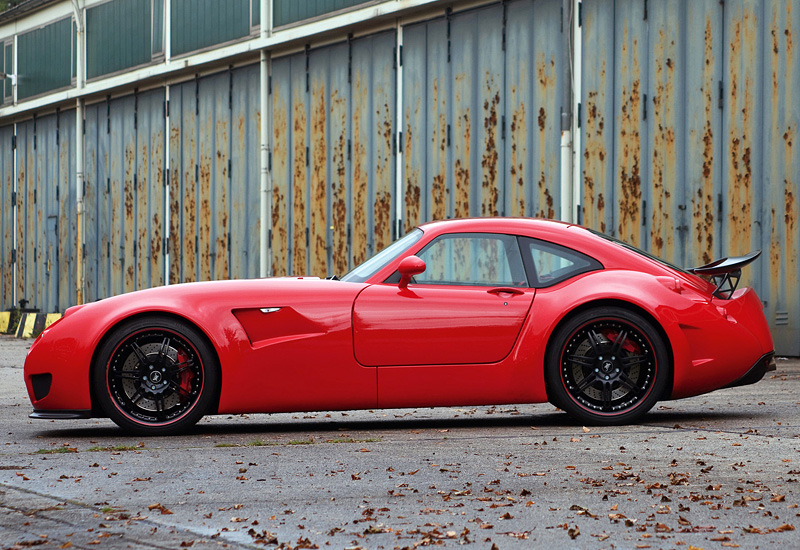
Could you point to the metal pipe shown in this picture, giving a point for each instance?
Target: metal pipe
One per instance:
(567, 198)
(79, 151)
(265, 267)
(577, 67)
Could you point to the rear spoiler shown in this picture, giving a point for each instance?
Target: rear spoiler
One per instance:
(725, 273)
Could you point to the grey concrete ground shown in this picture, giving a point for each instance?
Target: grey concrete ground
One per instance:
(718, 471)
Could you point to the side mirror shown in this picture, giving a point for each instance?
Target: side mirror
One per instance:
(409, 266)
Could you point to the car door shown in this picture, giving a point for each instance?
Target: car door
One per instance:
(467, 307)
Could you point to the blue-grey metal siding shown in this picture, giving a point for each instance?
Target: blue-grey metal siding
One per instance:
(291, 11)
(6, 218)
(481, 100)
(688, 133)
(333, 156)
(45, 59)
(118, 36)
(125, 194)
(157, 27)
(214, 177)
(197, 24)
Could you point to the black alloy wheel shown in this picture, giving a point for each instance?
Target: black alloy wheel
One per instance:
(607, 366)
(155, 376)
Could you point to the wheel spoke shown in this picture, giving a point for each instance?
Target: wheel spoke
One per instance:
(587, 381)
(128, 375)
(137, 397)
(606, 396)
(160, 413)
(633, 360)
(162, 353)
(582, 360)
(593, 340)
(616, 349)
(627, 382)
(139, 354)
(182, 392)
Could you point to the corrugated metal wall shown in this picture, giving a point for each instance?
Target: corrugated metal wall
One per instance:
(291, 11)
(6, 218)
(125, 194)
(333, 160)
(197, 24)
(482, 100)
(119, 35)
(214, 185)
(688, 128)
(45, 58)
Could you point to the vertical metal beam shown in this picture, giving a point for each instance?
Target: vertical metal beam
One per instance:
(575, 52)
(567, 195)
(79, 149)
(266, 174)
(399, 133)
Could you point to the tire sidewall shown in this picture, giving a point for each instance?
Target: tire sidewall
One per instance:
(557, 391)
(193, 337)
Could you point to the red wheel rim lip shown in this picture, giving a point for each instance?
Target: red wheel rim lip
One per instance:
(640, 399)
(125, 413)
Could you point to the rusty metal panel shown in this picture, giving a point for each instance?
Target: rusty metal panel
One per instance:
(298, 188)
(67, 253)
(414, 118)
(245, 184)
(436, 200)
(339, 163)
(95, 201)
(702, 137)
(779, 30)
(150, 192)
(121, 170)
(534, 65)
(281, 101)
(6, 218)
(319, 92)
(184, 172)
(26, 214)
(373, 108)
(597, 123)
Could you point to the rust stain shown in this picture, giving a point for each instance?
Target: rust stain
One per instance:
(360, 170)
(490, 192)
(299, 181)
(156, 256)
(462, 138)
(338, 114)
(664, 164)
(21, 248)
(519, 143)
(280, 185)
(629, 194)
(318, 226)
(546, 78)
(129, 224)
(703, 202)
(175, 200)
(741, 118)
(382, 207)
(411, 170)
(439, 190)
(142, 206)
(594, 156)
(220, 207)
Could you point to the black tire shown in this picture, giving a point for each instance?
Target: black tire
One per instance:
(155, 376)
(607, 366)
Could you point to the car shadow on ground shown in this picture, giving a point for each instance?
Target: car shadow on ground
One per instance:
(508, 421)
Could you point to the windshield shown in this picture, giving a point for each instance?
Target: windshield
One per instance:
(382, 258)
(637, 250)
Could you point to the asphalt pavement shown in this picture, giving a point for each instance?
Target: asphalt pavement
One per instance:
(716, 471)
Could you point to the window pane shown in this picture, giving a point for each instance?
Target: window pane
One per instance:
(554, 263)
(475, 259)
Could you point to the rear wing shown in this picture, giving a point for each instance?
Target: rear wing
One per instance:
(725, 273)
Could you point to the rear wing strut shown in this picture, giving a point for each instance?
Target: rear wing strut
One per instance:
(725, 273)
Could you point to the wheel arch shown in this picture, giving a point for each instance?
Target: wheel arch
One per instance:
(611, 302)
(96, 409)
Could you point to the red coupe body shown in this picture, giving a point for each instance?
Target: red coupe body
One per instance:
(466, 331)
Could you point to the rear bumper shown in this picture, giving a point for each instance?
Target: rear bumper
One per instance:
(763, 366)
(61, 415)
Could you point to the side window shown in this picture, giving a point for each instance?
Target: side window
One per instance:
(553, 264)
(476, 259)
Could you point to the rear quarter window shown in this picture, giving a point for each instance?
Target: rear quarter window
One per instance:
(549, 264)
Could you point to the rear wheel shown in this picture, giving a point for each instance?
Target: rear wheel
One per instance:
(155, 376)
(607, 366)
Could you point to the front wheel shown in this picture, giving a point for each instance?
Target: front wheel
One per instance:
(607, 366)
(155, 376)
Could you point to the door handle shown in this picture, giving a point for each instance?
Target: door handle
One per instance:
(506, 290)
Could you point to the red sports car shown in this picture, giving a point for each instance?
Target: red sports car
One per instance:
(458, 312)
